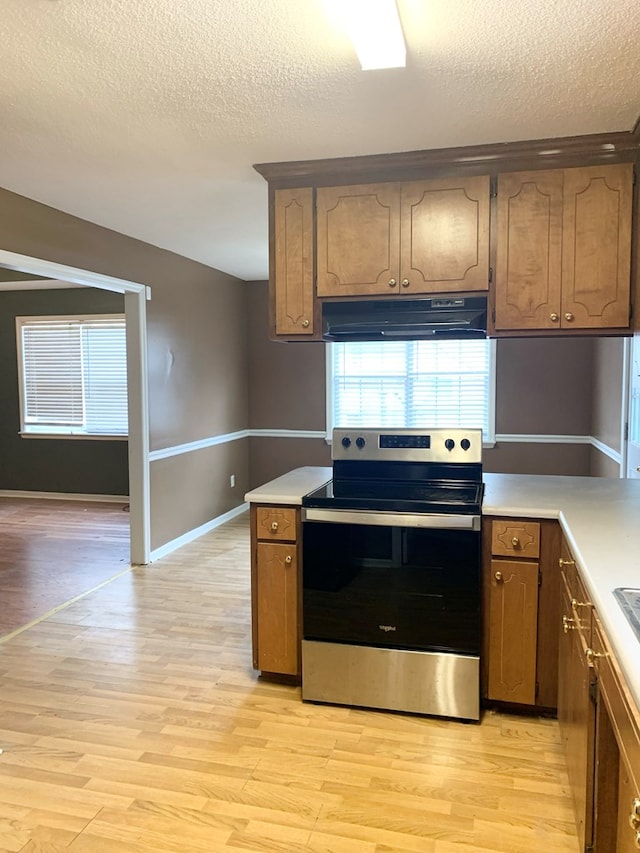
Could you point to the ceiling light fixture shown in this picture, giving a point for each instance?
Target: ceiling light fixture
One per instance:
(376, 32)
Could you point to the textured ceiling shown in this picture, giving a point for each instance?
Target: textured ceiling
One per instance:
(146, 115)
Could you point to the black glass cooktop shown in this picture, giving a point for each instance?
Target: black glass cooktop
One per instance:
(424, 496)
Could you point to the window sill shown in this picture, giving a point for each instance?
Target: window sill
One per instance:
(73, 436)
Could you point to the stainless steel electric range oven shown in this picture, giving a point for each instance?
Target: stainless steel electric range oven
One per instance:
(391, 573)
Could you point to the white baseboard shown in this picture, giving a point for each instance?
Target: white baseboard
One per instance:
(168, 547)
(64, 496)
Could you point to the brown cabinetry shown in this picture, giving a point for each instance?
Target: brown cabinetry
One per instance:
(521, 604)
(564, 249)
(403, 238)
(275, 589)
(293, 262)
(576, 695)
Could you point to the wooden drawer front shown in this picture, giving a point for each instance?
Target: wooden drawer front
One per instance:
(276, 523)
(581, 609)
(624, 716)
(515, 539)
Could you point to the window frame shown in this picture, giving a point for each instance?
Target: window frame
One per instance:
(488, 439)
(30, 431)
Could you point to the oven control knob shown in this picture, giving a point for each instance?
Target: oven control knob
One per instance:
(346, 441)
(449, 444)
(360, 442)
(465, 444)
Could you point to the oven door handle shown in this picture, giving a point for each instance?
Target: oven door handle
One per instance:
(433, 521)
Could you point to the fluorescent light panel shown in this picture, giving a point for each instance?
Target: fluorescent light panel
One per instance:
(375, 30)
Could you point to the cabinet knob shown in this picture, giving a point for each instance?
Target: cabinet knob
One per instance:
(568, 316)
(591, 655)
(637, 840)
(274, 526)
(405, 282)
(562, 563)
(554, 317)
(498, 576)
(392, 282)
(288, 559)
(567, 624)
(305, 324)
(576, 603)
(515, 542)
(635, 808)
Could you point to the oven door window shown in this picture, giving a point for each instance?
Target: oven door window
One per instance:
(397, 587)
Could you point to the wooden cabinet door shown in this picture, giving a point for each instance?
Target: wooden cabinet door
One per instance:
(512, 629)
(596, 255)
(358, 240)
(444, 236)
(293, 261)
(277, 608)
(529, 259)
(576, 716)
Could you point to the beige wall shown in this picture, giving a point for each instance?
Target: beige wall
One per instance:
(197, 347)
(543, 388)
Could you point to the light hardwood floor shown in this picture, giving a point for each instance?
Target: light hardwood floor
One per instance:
(132, 721)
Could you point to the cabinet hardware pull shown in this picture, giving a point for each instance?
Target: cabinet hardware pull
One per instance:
(637, 840)
(274, 526)
(305, 324)
(576, 603)
(568, 624)
(498, 576)
(288, 559)
(562, 563)
(405, 282)
(392, 282)
(554, 317)
(568, 316)
(635, 807)
(515, 542)
(591, 655)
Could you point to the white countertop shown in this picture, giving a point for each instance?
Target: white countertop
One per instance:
(599, 517)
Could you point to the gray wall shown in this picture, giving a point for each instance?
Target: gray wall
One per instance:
(544, 387)
(607, 403)
(197, 349)
(46, 464)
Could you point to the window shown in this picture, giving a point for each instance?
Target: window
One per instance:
(443, 383)
(73, 375)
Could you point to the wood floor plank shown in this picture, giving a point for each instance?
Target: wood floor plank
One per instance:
(132, 722)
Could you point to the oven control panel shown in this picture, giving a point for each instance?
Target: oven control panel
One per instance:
(409, 445)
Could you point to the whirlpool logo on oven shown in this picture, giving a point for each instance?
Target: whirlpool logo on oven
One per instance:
(387, 628)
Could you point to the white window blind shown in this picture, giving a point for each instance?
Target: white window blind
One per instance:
(445, 383)
(73, 374)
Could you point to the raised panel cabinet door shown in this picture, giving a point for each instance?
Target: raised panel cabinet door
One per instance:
(529, 250)
(513, 633)
(358, 240)
(293, 261)
(596, 255)
(445, 235)
(277, 610)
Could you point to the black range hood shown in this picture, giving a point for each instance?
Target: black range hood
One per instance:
(460, 317)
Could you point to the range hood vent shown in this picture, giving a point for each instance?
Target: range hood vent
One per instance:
(458, 317)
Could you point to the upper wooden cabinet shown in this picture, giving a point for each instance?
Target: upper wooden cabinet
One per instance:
(293, 261)
(417, 237)
(564, 248)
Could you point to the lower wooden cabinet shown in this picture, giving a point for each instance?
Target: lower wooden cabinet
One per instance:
(577, 695)
(520, 588)
(275, 594)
